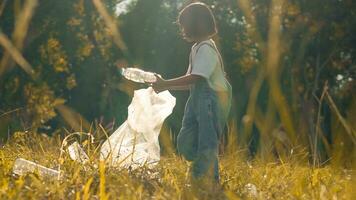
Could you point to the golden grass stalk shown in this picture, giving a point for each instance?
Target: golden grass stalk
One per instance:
(15, 54)
(251, 107)
(73, 118)
(245, 6)
(344, 123)
(23, 22)
(273, 68)
(102, 192)
(86, 190)
(21, 26)
(111, 25)
(318, 130)
(2, 6)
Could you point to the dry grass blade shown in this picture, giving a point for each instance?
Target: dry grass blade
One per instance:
(2, 6)
(102, 192)
(252, 103)
(10, 112)
(318, 131)
(86, 190)
(273, 67)
(344, 123)
(110, 23)
(109, 157)
(15, 54)
(251, 20)
(23, 22)
(73, 118)
(20, 31)
(251, 108)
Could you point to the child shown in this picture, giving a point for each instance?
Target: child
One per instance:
(210, 93)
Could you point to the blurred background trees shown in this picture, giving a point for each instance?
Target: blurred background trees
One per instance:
(291, 64)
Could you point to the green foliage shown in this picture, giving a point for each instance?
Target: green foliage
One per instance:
(73, 57)
(41, 103)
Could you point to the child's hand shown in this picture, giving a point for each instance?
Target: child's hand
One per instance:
(159, 85)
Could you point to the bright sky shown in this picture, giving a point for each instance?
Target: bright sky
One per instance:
(121, 8)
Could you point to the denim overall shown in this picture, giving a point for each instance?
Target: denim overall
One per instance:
(205, 116)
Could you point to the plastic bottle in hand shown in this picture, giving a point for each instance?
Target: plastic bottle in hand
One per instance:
(138, 75)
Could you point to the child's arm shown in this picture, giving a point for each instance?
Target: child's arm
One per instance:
(180, 83)
(178, 88)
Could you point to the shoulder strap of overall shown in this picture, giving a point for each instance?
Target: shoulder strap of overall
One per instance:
(215, 49)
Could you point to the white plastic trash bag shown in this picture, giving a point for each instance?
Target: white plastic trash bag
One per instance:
(135, 142)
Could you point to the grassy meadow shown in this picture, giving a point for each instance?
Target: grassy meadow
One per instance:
(288, 178)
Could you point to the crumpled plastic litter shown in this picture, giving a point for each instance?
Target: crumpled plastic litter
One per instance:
(23, 166)
(251, 190)
(135, 142)
(77, 153)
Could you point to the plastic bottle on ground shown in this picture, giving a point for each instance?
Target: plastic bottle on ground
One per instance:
(22, 167)
(77, 153)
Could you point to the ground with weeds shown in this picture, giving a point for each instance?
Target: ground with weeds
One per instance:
(240, 179)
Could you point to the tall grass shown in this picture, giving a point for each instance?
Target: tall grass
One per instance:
(241, 179)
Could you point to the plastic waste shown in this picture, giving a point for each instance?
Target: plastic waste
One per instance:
(135, 142)
(138, 75)
(77, 153)
(251, 189)
(22, 167)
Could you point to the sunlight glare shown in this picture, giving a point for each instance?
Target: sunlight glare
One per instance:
(123, 7)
